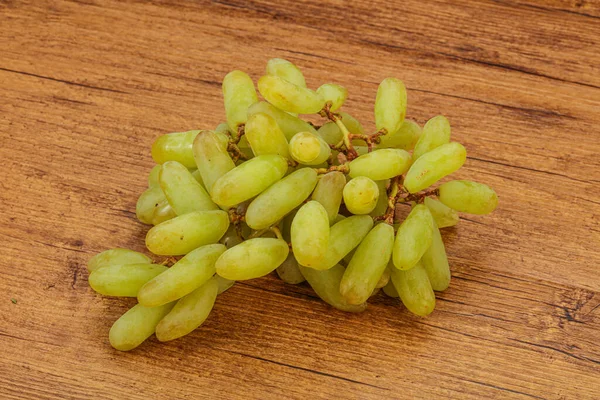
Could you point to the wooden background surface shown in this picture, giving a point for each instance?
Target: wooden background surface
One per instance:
(87, 85)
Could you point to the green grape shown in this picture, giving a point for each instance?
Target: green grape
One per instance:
(414, 289)
(390, 105)
(413, 237)
(252, 259)
(224, 284)
(147, 204)
(435, 263)
(368, 264)
(329, 191)
(175, 147)
(382, 200)
(331, 133)
(361, 150)
(361, 195)
(185, 276)
(289, 271)
(467, 196)
(117, 257)
(248, 179)
(310, 233)
(381, 164)
(404, 138)
(198, 177)
(265, 137)
(238, 95)
(309, 149)
(443, 215)
(182, 191)
(285, 70)
(434, 165)
(153, 176)
(231, 237)
(223, 129)
(289, 97)
(339, 218)
(223, 140)
(389, 288)
(187, 232)
(136, 325)
(436, 132)
(346, 260)
(281, 198)
(326, 285)
(163, 212)
(211, 159)
(245, 148)
(385, 277)
(344, 236)
(336, 94)
(189, 312)
(123, 280)
(288, 124)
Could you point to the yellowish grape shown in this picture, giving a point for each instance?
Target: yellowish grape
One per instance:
(467, 196)
(289, 124)
(265, 136)
(123, 280)
(285, 70)
(404, 138)
(390, 105)
(381, 164)
(136, 325)
(309, 149)
(413, 237)
(336, 94)
(435, 263)
(252, 259)
(434, 165)
(182, 190)
(175, 147)
(288, 96)
(238, 95)
(310, 233)
(329, 191)
(436, 132)
(361, 195)
(211, 158)
(117, 257)
(443, 215)
(414, 289)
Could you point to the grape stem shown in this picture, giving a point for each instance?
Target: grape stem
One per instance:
(392, 193)
(351, 153)
(416, 197)
(277, 232)
(235, 152)
(341, 168)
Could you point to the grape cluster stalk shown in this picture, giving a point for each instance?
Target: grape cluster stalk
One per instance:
(268, 191)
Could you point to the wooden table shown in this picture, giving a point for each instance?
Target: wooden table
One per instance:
(86, 86)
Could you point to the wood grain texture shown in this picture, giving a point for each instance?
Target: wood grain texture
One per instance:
(87, 85)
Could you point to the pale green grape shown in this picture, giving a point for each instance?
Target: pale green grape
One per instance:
(332, 134)
(252, 259)
(223, 140)
(310, 233)
(326, 285)
(385, 277)
(414, 289)
(123, 280)
(361, 195)
(231, 237)
(413, 237)
(163, 212)
(404, 138)
(175, 147)
(390, 105)
(343, 237)
(189, 312)
(336, 94)
(117, 257)
(434, 165)
(288, 96)
(187, 232)
(185, 276)
(289, 271)
(211, 159)
(248, 179)
(265, 137)
(223, 129)
(182, 191)
(442, 214)
(329, 191)
(136, 325)
(281, 198)
(389, 289)
(368, 264)
(361, 150)
(285, 70)
(309, 149)
(238, 95)
(245, 148)
(436, 132)
(148, 202)
(467, 196)
(198, 177)
(435, 263)
(382, 201)
(224, 284)
(153, 176)
(381, 164)
(288, 124)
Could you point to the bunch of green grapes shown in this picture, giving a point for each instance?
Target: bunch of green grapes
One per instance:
(268, 191)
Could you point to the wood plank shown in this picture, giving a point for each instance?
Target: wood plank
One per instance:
(89, 85)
